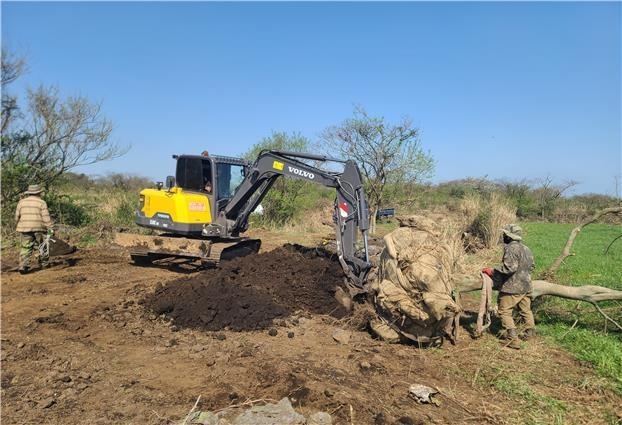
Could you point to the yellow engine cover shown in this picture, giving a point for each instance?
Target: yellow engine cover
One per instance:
(181, 206)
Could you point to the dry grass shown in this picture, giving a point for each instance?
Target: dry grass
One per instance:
(544, 383)
(316, 221)
(452, 236)
(484, 217)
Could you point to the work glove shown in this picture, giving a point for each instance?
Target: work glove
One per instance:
(488, 271)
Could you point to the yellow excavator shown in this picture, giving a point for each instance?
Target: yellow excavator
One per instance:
(201, 212)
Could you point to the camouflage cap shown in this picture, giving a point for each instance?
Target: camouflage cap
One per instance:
(513, 231)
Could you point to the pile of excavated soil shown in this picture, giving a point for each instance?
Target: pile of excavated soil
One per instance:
(248, 293)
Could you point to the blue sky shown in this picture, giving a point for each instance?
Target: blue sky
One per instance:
(515, 91)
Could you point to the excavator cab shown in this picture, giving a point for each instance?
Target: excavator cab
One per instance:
(201, 187)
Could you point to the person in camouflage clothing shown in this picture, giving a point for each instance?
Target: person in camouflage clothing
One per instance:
(513, 280)
(33, 222)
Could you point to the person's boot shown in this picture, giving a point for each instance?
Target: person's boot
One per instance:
(528, 334)
(513, 338)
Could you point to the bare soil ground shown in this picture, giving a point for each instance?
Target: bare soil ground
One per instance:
(98, 340)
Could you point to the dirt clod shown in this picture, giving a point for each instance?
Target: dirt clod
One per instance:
(46, 403)
(342, 336)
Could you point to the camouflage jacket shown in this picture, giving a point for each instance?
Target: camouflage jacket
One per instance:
(514, 276)
(32, 215)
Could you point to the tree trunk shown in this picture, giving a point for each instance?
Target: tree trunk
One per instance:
(372, 220)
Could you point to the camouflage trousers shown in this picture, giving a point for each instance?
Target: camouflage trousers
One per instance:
(507, 303)
(30, 240)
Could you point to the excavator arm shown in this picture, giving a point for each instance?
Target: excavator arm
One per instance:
(350, 215)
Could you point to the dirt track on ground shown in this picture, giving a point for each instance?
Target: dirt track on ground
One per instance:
(102, 341)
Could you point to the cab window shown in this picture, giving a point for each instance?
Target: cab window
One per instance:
(193, 173)
(229, 177)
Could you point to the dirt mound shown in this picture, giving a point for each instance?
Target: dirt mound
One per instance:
(248, 293)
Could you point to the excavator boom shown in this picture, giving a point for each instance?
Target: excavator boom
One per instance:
(350, 214)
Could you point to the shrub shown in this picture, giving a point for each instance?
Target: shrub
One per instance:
(279, 208)
(65, 210)
(125, 212)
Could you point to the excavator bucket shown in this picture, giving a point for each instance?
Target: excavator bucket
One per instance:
(146, 249)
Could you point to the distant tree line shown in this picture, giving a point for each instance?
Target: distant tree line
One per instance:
(111, 181)
(540, 199)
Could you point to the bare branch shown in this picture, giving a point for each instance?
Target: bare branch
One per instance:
(547, 193)
(12, 68)
(573, 234)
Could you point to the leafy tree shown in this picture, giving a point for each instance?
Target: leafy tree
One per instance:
(48, 137)
(282, 202)
(389, 155)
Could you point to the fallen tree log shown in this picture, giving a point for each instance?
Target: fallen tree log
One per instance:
(588, 293)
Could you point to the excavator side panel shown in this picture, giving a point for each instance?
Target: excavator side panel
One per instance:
(174, 210)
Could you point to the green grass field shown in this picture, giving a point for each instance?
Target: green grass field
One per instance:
(589, 263)
(575, 325)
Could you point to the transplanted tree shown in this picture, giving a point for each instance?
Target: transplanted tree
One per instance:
(389, 155)
(48, 137)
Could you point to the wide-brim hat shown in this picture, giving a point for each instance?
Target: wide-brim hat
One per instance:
(34, 189)
(513, 231)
